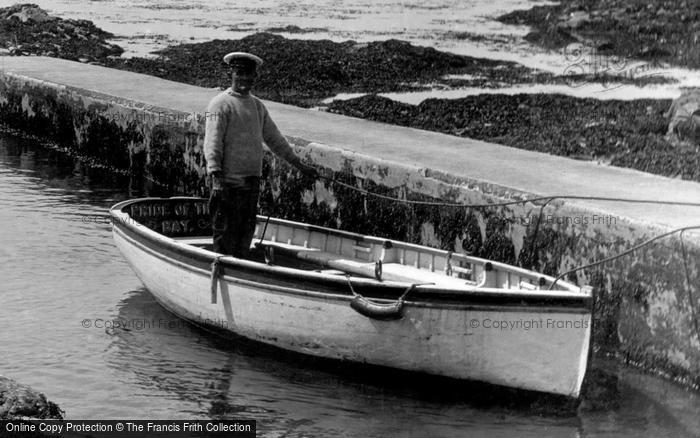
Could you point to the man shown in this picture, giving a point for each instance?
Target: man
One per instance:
(237, 123)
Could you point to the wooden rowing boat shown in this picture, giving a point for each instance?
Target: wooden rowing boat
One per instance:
(341, 295)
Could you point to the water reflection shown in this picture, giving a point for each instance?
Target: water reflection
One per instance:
(299, 396)
(51, 169)
(296, 396)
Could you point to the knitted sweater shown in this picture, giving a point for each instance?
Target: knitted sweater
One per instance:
(236, 126)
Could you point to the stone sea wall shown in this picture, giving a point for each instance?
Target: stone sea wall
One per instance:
(647, 302)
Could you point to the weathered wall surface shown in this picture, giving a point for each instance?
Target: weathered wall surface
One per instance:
(647, 302)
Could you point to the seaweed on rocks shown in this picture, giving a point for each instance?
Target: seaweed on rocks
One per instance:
(656, 30)
(290, 28)
(380, 109)
(26, 29)
(303, 72)
(623, 133)
(306, 72)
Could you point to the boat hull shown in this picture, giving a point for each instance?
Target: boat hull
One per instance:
(540, 348)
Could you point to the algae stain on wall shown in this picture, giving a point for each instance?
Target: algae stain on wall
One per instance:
(162, 155)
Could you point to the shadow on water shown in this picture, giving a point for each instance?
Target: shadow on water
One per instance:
(302, 396)
(51, 168)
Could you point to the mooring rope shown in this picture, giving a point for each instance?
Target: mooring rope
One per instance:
(546, 200)
(626, 252)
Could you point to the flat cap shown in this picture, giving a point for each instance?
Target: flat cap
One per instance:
(242, 58)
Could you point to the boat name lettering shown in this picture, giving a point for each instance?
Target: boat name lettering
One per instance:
(175, 226)
(165, 209)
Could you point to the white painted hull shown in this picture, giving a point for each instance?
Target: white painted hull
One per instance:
(542, 349)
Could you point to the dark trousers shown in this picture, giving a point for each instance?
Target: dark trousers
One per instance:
(233, 212)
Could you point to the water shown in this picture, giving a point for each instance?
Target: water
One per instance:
(144, 24)
(594, 90)
(60, 271)
(466, 27)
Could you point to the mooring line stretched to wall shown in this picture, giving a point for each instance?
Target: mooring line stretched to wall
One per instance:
(547, 200)
(629, 251)
(689, 289)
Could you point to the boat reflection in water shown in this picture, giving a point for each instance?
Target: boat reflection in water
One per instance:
(295, 395)
(232, 377)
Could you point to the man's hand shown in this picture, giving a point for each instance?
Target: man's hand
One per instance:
(309, 171)
(305, 169)
(217, 183)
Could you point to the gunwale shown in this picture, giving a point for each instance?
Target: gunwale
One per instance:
(330, 286)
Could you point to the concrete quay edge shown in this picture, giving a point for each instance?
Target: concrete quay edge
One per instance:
(530, 172)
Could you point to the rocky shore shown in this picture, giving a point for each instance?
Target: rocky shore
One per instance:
(304, 73)
(656, 31)
(18, 401)
(26, 29)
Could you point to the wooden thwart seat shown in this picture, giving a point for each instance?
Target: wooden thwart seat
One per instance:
(351, 265)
